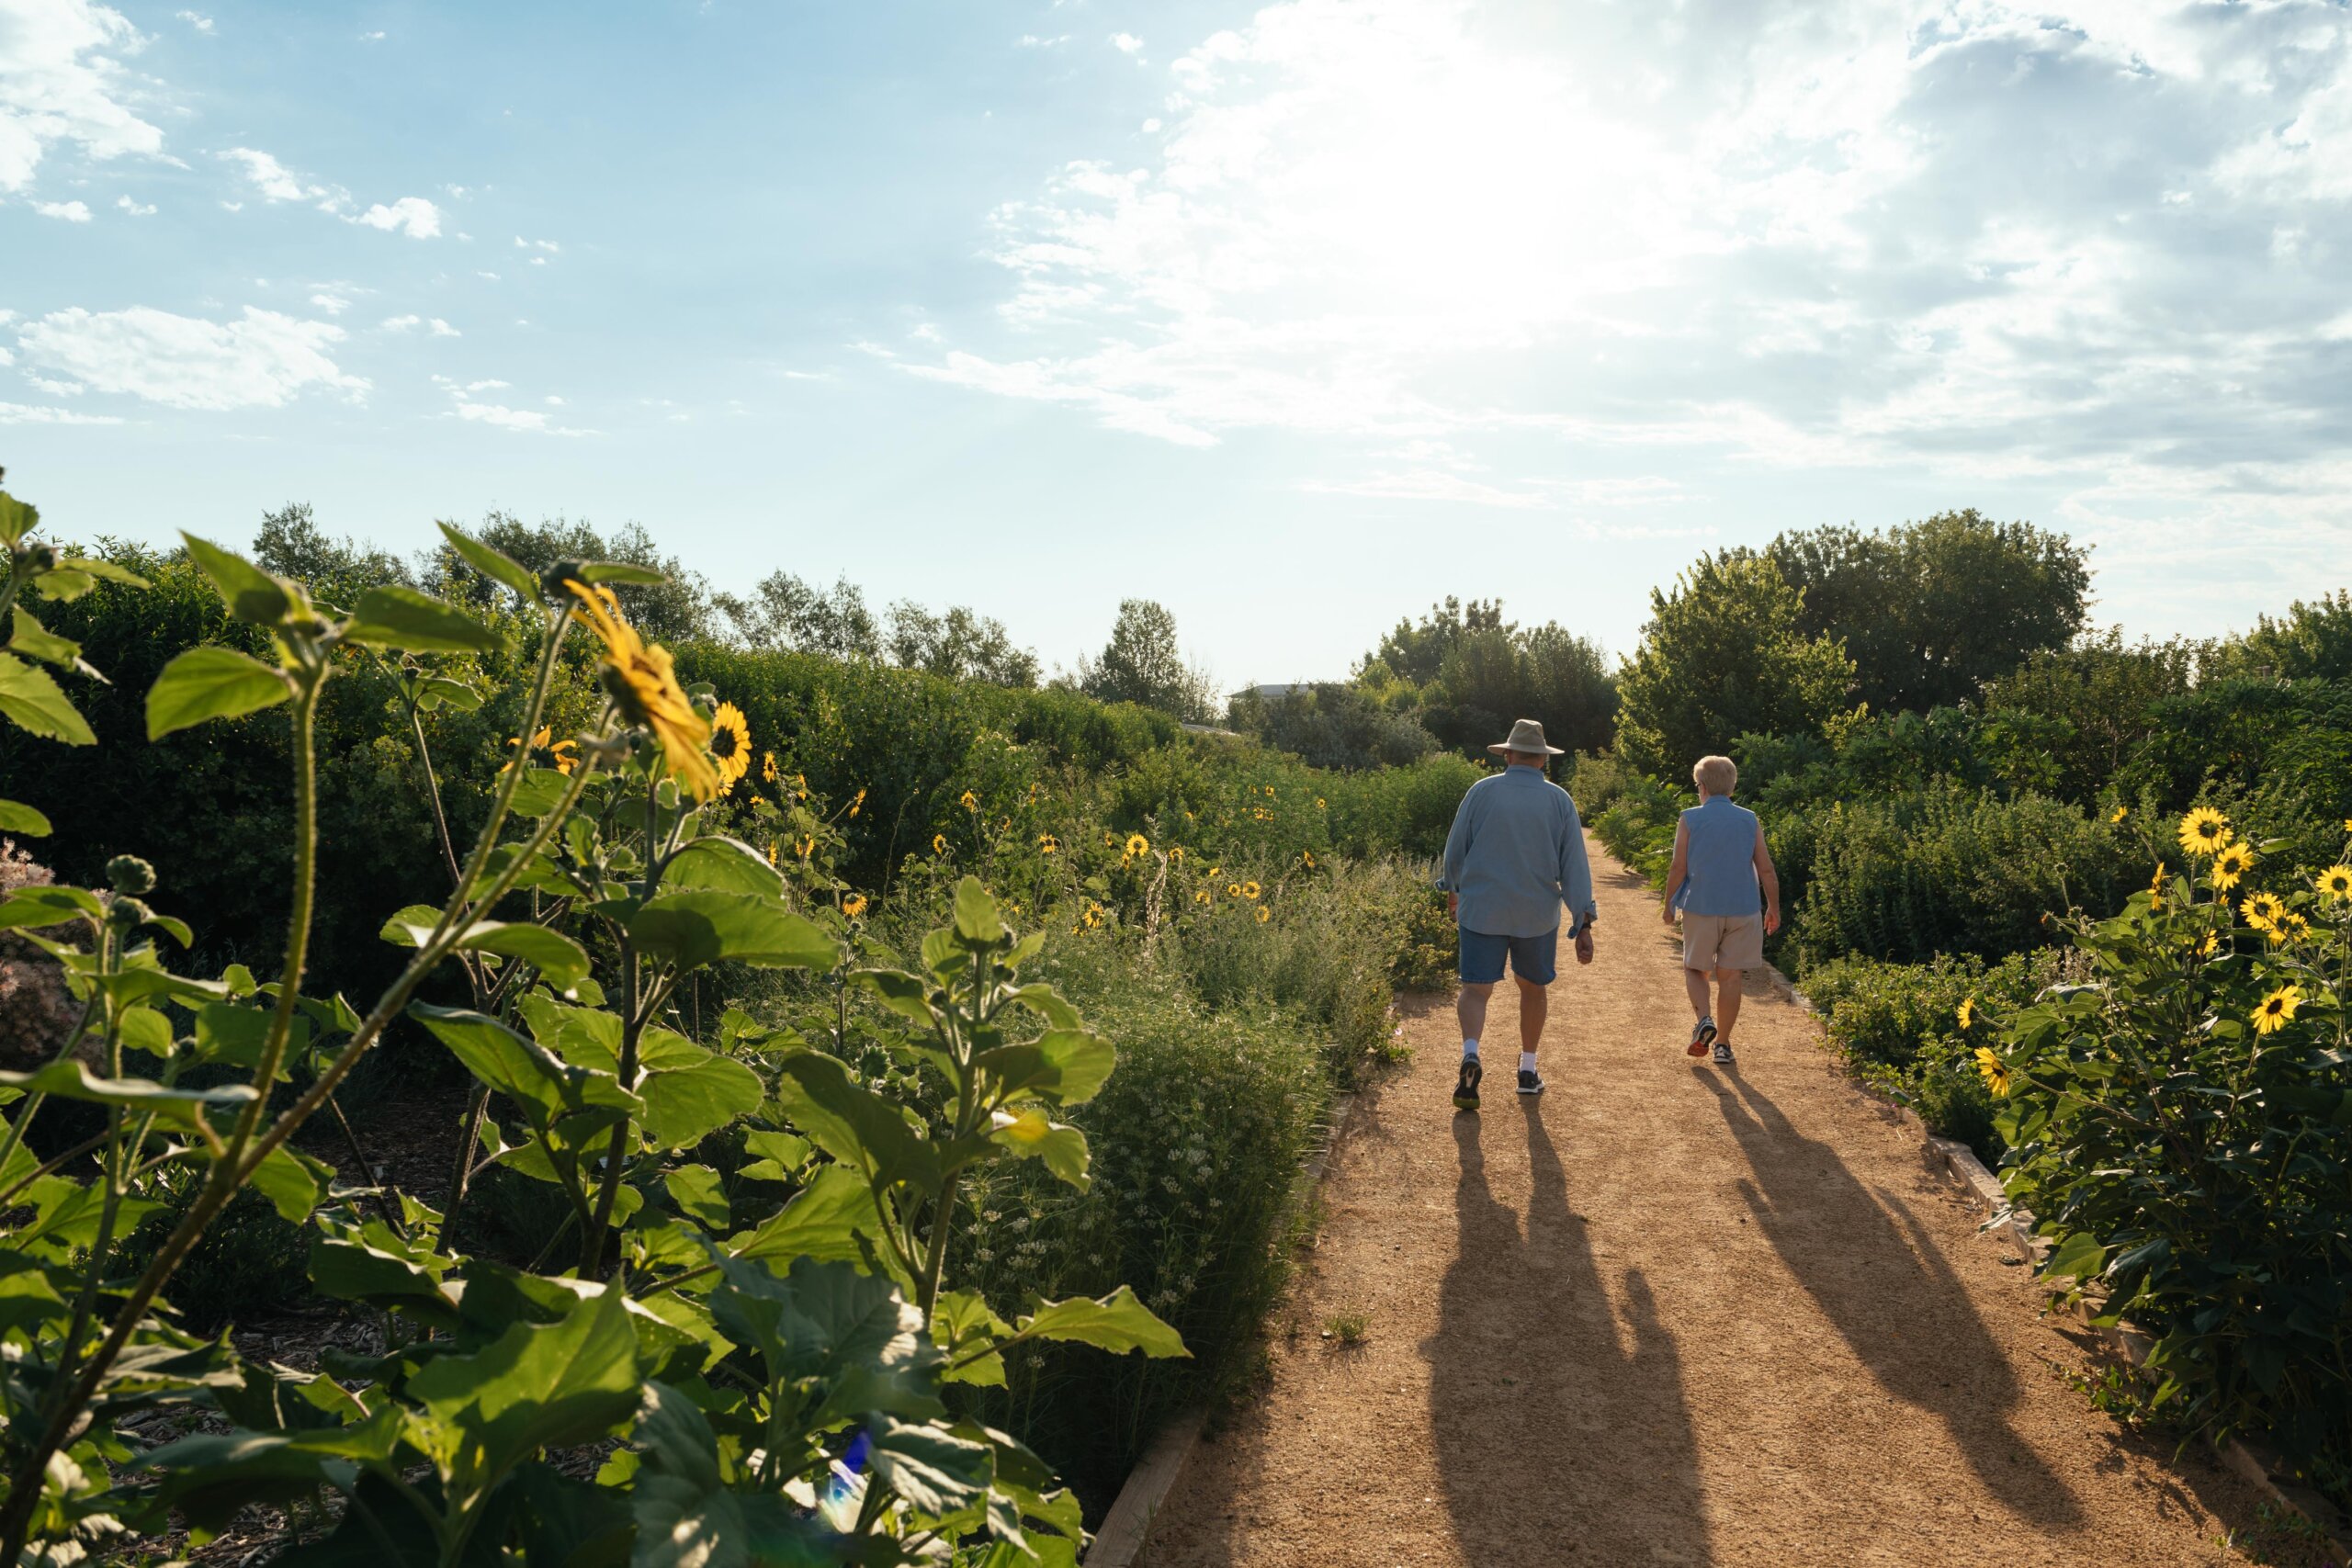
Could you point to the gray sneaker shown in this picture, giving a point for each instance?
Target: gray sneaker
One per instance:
(1702, 1036)
(1723, 1058)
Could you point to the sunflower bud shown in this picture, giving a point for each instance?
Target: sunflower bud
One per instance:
(551, 580)
(129, 875)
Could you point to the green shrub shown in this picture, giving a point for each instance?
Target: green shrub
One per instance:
(2181, 1128)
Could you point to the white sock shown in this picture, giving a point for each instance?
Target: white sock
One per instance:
(1470, 1047)
(1527, 1061)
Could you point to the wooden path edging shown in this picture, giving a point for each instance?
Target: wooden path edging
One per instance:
(2254, 1462)
(1126, 1528)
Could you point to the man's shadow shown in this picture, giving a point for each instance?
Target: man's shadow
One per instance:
(1561, 1436)
(1889, 1294)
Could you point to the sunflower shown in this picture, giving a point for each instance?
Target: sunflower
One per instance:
(939, 843)
(2262, 910)
(2278, 1010)
(2335, 883)
(644, 686)
(2156, 888)
(772, 851)
(1176, 854)
(2204, 830)
(1995, 1073)
(805, 847)
(1201, 897)
(1093, 916)
(1110, 841)
(1047, 843)
(2230, 865)
(1308, 856)
(854, 906)
(2291, 927)
(1233, 890)
(730, 745)
(2121, 812)
(1318, 803)
(767, 766)
(1249, 891)
(857, 802)
(2210, 945)
(1967, 1012)
(1264, 914)
(968, 801)
(1138, 844)
(562, 755)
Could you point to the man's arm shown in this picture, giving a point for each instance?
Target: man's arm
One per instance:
(1770, 880)
(1457, 851)
(1576, 879)
(1681, 868)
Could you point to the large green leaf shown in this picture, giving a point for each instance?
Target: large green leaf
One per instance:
(2079, 1256)
(250, 594)
(931, 1467)
(967, 1329)
(235, 1034)
(1117, 1321)
(689, 1092)
(29, 695)
(67, 1078)
(292, 1181)
(49, 906)
(546, 1087)
(852, 1339)
(210, 683)
(823, 1220)
(1065, 1067)
(704, 925)
(366, 1264)
(730, 866)
(535, 1386)
(394, 616)
(28, 637)
(494, 564)
(209, 1476)
(850, 1122)
(977, 920)
(686, 1517)
(17, 817)
(699, 1194)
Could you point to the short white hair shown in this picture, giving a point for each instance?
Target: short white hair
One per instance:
(1715, 775)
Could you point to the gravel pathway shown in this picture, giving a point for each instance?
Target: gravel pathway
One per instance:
(1669, 1313)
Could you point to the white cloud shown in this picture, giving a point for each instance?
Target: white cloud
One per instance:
(434, 326)
(442, 329)
(1127, 43)
(34, 414)
(554, 401)
(334, 304)
(371, 38)
(499, 415)
(491, 276)
(133, 207)
(274, 181)
(419, 218)
(259, 360)
(1031, 40)
(60, 81)
(201, 23)
(549, 245)
(2092, 243)
(488, 386)
(70, 212)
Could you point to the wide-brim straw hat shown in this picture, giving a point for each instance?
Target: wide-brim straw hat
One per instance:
(1527, 734)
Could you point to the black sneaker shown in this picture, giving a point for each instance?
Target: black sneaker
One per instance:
(1530, 1081)
(1465, 1087)
(1723, 1058)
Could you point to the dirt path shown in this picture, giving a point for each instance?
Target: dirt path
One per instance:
(1669, 1314)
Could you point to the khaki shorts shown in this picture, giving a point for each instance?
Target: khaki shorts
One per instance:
(1723, 942)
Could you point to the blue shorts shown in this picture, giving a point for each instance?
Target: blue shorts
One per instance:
(1535, 959)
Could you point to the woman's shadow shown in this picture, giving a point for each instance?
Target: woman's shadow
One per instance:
(1561, 1433)
(1891, 1297)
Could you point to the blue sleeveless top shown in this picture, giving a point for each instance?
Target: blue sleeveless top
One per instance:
(1722, 878)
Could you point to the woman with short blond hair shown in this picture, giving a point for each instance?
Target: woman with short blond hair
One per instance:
(1723, 884)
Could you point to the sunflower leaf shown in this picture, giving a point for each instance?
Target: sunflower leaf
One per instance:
(210, 683)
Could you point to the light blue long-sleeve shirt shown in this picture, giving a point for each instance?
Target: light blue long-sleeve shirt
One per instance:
(1516, 854)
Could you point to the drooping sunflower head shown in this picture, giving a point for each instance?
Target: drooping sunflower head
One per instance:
(1967, 1012)
(1201, 897)
(2335, 883)
(968, 801)
(2204, 830)
(730, 745)
(939, 843)
(854, 906)
(1992, 1070)
(2278, 1010)
(2230, 865)
(1138, 844)
(644, 686)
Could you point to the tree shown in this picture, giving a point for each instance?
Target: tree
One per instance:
(1418, 652)
(1333, 725)
(1930, 612)
(674, 611)
(1142, 664)
(292, 544)
(1724, 655)
(785, 612)
(960, 644)
(1469, 673)
(2311, 639)
(2082, 710)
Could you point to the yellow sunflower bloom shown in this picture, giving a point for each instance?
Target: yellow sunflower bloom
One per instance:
(2261, 909)
(1264, 914)
(1249, 891)
(939, 843)
(857, 802)
(968, 801)
(2291, 927)
(1318, 803)
(1110, 841)
(2204, 830)
(1233, 890)
(1138, 844)
(2230, 865)
(1047, 843)
(730, 745)
(854, 906)
(1967, 1012)
(767, 767)
(2335, 883)
(771, 852)
(1995, 1073)
(2210, 945)
(2278, 1010)
(1201, 897)
(562, 755)
(644, 686)
(2119, 814)
(1176, 854)
(805, 847)
(2157, 889)
(1308, 857)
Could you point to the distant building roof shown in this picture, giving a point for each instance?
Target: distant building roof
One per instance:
(1277, 689)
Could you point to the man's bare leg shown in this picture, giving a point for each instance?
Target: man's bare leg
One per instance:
(1470, 1007)
(1534, 1002)
(1695, 982)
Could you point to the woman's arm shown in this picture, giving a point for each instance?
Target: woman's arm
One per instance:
(1677, 871)
(1770, 880)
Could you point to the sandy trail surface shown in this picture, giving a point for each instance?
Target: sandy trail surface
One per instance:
(1669, 1313)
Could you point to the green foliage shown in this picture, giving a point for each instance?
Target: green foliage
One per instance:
(1142, 664)
(1725, 654)
(1465, 674)
(2181, 1127)
(1931, 611)
(2310, 640)
(1331, 725)
(2077, 714)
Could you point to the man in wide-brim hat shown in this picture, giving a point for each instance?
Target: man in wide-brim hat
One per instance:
(1515, 856)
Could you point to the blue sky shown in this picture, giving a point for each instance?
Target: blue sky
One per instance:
(1292, 316)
